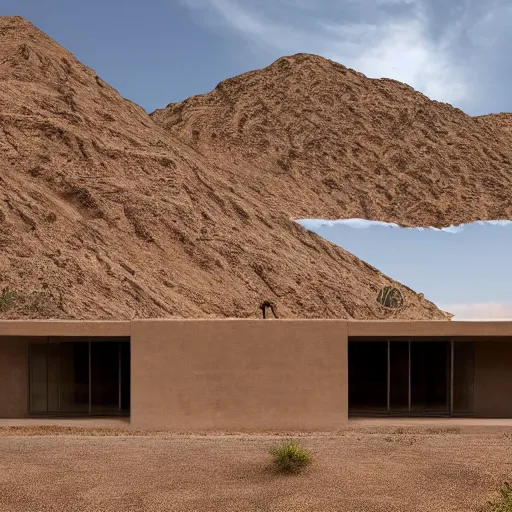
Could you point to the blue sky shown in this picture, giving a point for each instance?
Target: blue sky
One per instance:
(464, 270)
(160, 51)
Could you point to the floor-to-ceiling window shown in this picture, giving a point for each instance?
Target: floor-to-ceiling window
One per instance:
(367, 376)
(411, 377)
(80, 377)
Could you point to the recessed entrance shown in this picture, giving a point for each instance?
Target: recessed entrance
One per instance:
(410, 377)
(80, 377)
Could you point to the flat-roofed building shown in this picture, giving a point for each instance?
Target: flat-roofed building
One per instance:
(200, 375)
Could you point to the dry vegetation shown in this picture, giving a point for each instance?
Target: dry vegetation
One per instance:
(290, 456)
(503, 502)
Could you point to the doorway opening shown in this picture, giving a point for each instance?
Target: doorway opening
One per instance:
(411, 377)
(74, 377)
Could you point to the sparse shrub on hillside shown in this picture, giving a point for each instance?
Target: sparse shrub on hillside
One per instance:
(7, 298)
(290, 457)
(43, 303)
(390, 297)
(504, 502)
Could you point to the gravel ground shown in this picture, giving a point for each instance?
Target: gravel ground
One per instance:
(415, 470)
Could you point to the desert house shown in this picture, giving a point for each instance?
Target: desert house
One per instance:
(200, 375)
(111, 213)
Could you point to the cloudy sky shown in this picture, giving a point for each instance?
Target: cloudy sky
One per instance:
(452, 51)
(160, 51)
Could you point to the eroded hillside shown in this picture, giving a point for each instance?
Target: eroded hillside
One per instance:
(316, 139)
(104, 214)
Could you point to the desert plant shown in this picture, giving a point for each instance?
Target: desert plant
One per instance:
(290, 457)
(390, 297)
(504, 502)
(7, 298)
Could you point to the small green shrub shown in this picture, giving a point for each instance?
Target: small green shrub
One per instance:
(290, 457)
(504, 502)
(7, 298)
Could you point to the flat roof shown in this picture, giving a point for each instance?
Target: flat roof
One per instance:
(430, 328)
(356, 328)
(79, 328)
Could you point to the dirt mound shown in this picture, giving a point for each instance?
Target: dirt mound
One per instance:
(317, 139)
(103, 214)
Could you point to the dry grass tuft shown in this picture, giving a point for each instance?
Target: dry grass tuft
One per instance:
(290, 457)
(504, 502)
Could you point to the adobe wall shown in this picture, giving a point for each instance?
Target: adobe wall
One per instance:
(429, 328)
(250, 374)
(14, 377)
(199, 375)
(493, 379)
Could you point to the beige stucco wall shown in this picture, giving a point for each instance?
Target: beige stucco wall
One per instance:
(239, 374)
(429, 328)
(13, 377)
(250, 374)
(493, 379)
(79, 328)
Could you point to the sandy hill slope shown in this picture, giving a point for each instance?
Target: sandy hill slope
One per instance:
(103, 214)
(321, 140)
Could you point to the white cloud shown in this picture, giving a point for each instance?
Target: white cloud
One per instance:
(353, 223)
(365, 224)
(382, 45)
(403, 51)
(479, 311)
(252, 24)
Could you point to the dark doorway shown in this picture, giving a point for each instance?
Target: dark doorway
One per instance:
(68, 374)
(410, 377)
(80, 377)
(462, 378)
(367, 376)
(399, 377)
(430, 366)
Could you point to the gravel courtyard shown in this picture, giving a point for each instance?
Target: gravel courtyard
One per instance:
(411, 470)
